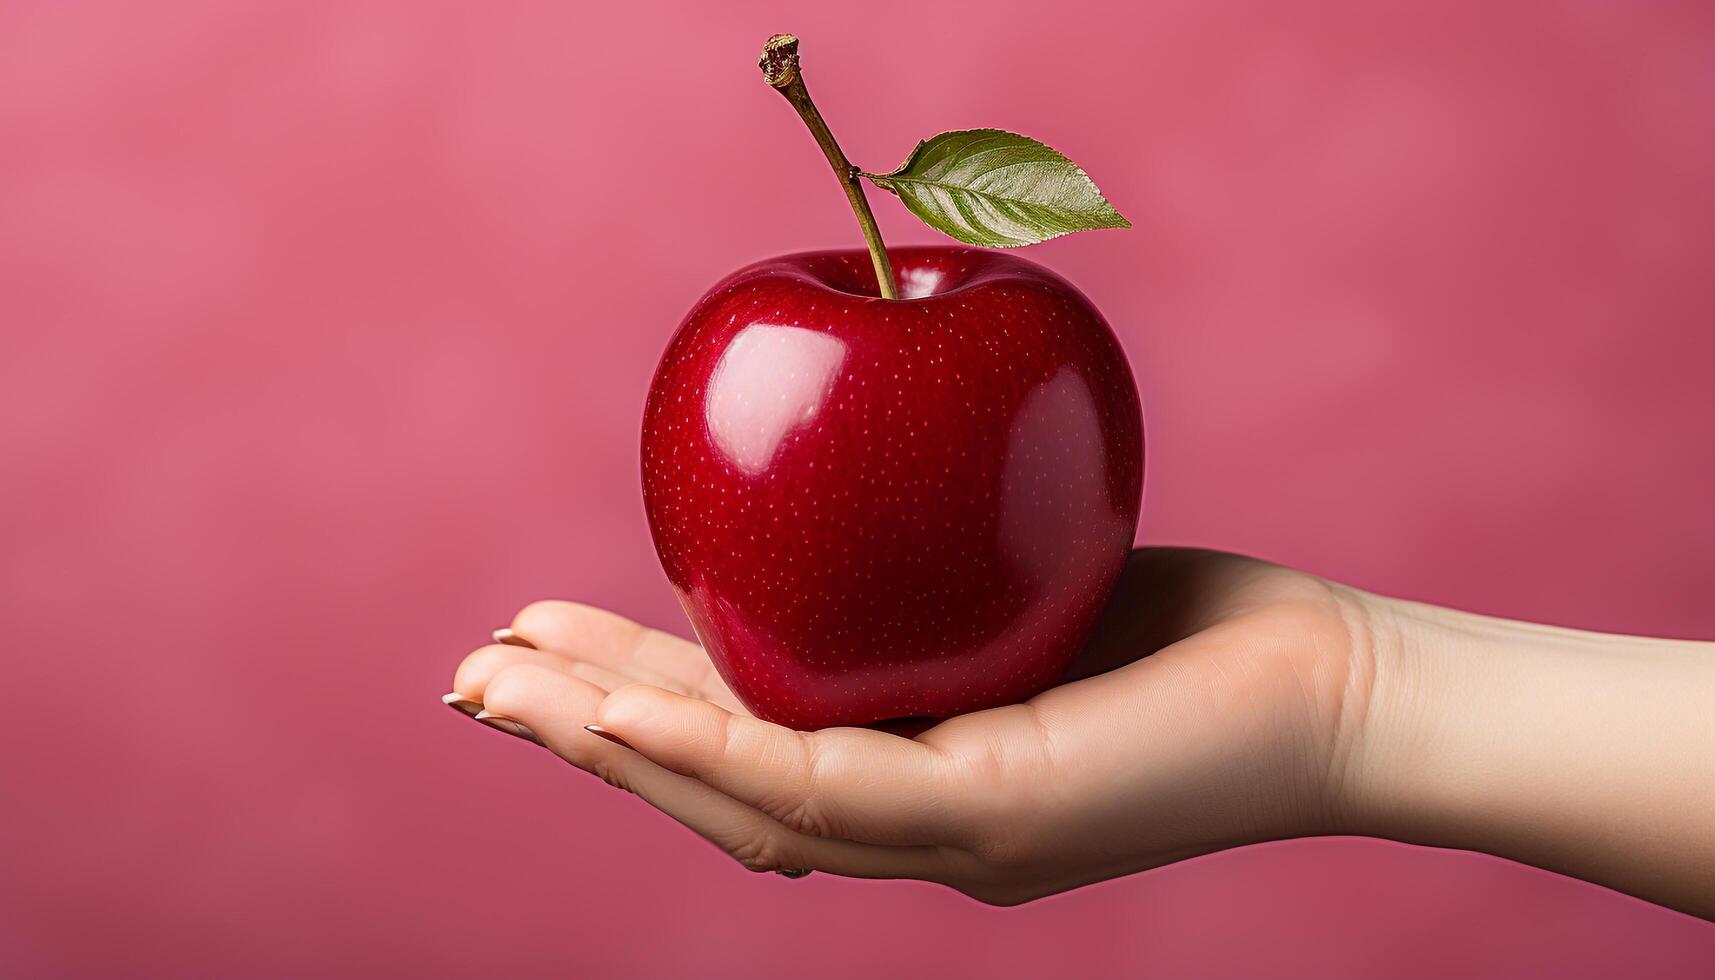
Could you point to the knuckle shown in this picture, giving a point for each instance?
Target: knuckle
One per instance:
(1018, 849)
(805, 810)
(759, 853)
(1000, 795)
(807, 817)
(610, 774)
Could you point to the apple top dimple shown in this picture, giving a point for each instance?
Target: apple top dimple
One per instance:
(924, 272)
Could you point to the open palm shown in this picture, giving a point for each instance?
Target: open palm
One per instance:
(1213, 707)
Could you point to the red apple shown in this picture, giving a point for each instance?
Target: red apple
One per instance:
(892, 510)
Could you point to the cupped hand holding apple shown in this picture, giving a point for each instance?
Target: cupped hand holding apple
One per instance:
(1226, 736)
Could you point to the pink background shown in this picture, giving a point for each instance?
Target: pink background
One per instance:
(326, 331)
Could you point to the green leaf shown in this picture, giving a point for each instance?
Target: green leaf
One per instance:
(997, 189)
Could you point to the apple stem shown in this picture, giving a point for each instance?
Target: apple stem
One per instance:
(780, 69)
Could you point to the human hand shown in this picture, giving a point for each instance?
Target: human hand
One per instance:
(1216, 705)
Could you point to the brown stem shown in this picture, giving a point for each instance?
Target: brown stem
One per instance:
(780, 69)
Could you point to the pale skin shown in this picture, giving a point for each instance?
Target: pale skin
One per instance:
(1223, 701)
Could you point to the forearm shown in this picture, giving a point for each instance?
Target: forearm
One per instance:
(1588, 754)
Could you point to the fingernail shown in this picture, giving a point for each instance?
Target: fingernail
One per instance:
(611, 737)
(792, 872)
(507, 725)
(462, 704)
(512, 639)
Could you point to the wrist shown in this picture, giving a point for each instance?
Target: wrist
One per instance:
(1584, 753)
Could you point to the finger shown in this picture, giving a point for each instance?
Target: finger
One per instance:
(480, 665)
(556, 707)
(473, 675)
(613, 680)
(610, 640)
(471, 680)
(567, 626)
(475, 671)
(841, 782)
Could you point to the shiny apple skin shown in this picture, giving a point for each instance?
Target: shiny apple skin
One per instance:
(879, 510)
